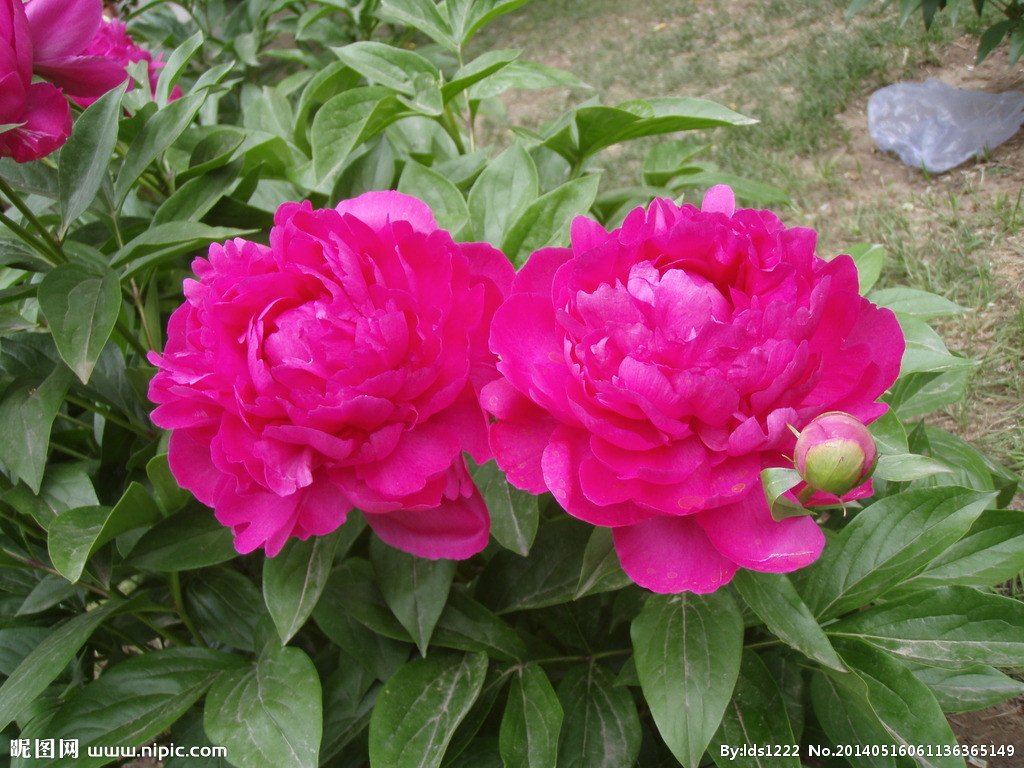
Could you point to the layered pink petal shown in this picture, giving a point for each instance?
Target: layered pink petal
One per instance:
(672, 554)
(746, 533)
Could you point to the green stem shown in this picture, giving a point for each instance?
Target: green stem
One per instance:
(448, 123)
(35, 564)
(137, 300)
(69, 451)
(30, 217)
(135, 344)
(113, 418)
(179, 603)
(38, 244)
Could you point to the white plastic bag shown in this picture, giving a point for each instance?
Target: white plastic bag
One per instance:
(937, 126)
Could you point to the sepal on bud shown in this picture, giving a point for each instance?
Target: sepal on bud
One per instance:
(835, 453)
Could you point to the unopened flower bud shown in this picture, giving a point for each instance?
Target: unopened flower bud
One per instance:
(835, 453)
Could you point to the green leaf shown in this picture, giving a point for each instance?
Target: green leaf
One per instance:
(415, 589)
(86, 155)
(991, 552)
(349, 695)
(344, 122)
(182, 542)
(351, 612)
(902, 467)
(483, 66)
(157, 134)
(775, 601)
(270, 714)
(466, 625)
(387, 65)
(524, 75)
(176, 64)
(76, 534)
(601, 728)
(354, 588)
(943, 626)
(65, 486)
(502, 193)
(755, 716)
(135, 700)
(888, 542)
(921, 393)
(49, 658)
(597, 127)
(514, 513)
(422, 15)
(881, 702)
(420, 707)
(226, 606)
(920, 304)
(548, 577)
(776, 481)
(965, 690)
(195, 197)
(27, 411)
(547, 219)
(687, 649)
(81, 307)
(532, 721)
(443, 197)
(992, 37)
(170, 496)
(668, 159)
(600, 571)
(925, 351)
(294, 579)
(50, 591)
(869, 258)
(467, 17)
(185, 236)
(890, 436)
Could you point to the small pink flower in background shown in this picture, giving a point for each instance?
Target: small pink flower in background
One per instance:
(61, 32)
(652, 372)
(47, 38)
(337, 368)
(38, 111)
(113, 42)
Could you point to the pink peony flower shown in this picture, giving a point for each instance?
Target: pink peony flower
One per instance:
(38, 113)
(113, 42)
(652, 372)
(47, 38)
(61, 32)
(337, 368)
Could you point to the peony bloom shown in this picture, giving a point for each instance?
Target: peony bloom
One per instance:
(652, 372)
(61, 32)
(38, 114)
(835, 453)
(47, 38)
(113, 42)
(337, 368)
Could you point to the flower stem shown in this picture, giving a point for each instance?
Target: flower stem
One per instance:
(179, 604)
(30, 217)
(106, 415)
(36, 243)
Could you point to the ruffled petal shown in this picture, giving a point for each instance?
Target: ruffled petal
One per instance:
(746, 533)
(672, 554)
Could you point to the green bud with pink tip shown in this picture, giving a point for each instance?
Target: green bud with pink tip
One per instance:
(835, 453)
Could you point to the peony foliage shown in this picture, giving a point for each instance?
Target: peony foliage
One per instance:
(335, 436)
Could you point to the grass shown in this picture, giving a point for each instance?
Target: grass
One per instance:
(803, 71)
